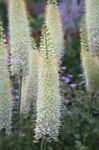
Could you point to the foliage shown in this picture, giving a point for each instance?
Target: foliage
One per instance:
(80, 129)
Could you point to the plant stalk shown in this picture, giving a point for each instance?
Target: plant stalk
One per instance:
(19, 104)
(43, 143)
(91, 103)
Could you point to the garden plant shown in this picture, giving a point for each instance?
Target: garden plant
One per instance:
(49, 75)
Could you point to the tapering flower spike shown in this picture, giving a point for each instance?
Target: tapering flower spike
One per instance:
(30, 84)
(83, 34)
(48, 96)
(5, 89)
(90, 63)
(20, 40)
(54, 23)
(92, 21)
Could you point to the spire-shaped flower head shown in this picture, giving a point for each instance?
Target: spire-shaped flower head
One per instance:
(20, 40)
(54, 23)
(83, 34)
(5, 93)
(30, 84)
(90, 63)
(48, 99)
(92, 20)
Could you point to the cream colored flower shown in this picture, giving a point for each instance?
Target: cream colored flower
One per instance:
(30, 85)
(48, 96)
(92, 22)
(5, 89)
(20, 40)
(90, 63)
(54, 24)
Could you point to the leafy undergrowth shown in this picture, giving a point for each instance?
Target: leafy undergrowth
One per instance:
(79, 131)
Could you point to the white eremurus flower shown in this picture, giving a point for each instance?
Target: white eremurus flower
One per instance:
(5, 89)
(92, 22)
(90, 63)
(30, 84)
(20, 40)
(54, 23)
(48, 95)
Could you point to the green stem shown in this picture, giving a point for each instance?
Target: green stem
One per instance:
(2, 139)
(46, 43)
(91, 103)
(18, 127)
(43, 144)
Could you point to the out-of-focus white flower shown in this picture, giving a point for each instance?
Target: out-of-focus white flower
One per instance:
(30, 84)
(20, 40)
(5, 89)
(90, 63)
(54, 23)
(92, 22)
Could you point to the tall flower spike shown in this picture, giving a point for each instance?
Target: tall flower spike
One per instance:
(91, 70)
(92, 20)
(5, 93)
(54, 23)
(83, 35)
(29, 85)
(90, 64)
(20, 40)
(48, 96)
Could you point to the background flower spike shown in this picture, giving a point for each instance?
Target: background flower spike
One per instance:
(92, 22)
(90, 63)
(6, 104)
(30, 84)
(20, 40)
(83, 34)
(54, 24)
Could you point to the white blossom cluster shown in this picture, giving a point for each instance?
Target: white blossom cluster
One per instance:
(6, 104)
(30, 84)
(48, 96)
(20, 40)
(54, 23)
(92, 22)
(91, 71)
(90, 62)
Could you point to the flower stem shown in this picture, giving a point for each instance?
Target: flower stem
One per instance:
(2, 139)
(18, 127)
(43, 143)
(91, 103)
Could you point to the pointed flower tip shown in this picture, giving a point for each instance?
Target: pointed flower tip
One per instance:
(46, 46)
